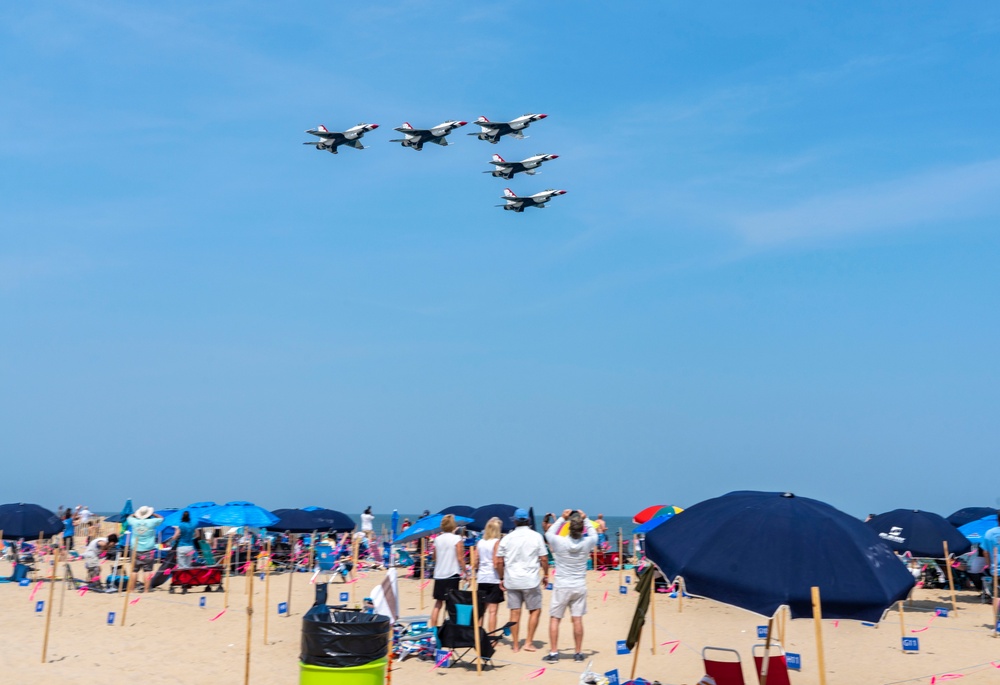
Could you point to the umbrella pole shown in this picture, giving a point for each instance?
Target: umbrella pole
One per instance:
(767, 652)
(267, 589)
(225, 562)
(246, 665)
(291, 574)
(621, 567)
(422, 571)
(312, 550)
(818, 623)
(475, 610)
(951, 582)
(48, 605)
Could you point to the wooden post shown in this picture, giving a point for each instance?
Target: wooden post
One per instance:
(767, 652)
(475, 610)
(48, 606)
(594, 554)
(422, 575)
(312, 550)
(267, 589)
(996, 605)
(621, 564)
(354, 566)
(128, 586)
(291, 574)
(818, 622)
(680, 595)
(225, 568)
(635, 656)
(902, 621)
(388, 664)
(951, 582)
(246, 665)
(652, 610)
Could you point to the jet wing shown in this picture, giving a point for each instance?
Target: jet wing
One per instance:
(413, 131)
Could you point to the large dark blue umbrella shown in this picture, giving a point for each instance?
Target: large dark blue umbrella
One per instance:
(428, 525)
(27, 521)
(921, 533)
(459, 510)
(504, 512)
(970, 514)
(239, 514)
(314, 519)
(764, 550)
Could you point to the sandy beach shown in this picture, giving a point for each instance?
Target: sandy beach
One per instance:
(169, 638)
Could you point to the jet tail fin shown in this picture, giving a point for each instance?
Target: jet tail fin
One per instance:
(507, 192)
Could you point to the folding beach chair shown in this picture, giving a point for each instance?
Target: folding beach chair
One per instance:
(456, 633)
(723, 665)
(777, 667)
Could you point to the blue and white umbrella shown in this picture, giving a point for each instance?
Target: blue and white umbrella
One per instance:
(975, 531)
(429, 525)
(239, 514)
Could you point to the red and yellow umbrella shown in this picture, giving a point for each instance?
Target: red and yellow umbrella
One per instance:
(654, 511)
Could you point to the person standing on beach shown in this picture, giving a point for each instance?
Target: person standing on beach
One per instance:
(184, 535)
(519, 557)
(570, 587)
(143, 524)
(487, 581)
(449, 564)
(602, 529)
(68, 530)
(367, 526)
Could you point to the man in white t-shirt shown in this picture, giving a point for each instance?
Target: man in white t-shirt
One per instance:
(570, 587)
(518, 559)
(366, 523)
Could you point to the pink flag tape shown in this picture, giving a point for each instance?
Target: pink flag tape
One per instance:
(218, 615)
(605, 596)
(83, 591)
(534, 674)
(918, 630)
(424, 584)
(32, 597)
(135, 601)
(669, 642)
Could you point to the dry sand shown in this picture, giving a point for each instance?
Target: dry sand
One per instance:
(167, 638)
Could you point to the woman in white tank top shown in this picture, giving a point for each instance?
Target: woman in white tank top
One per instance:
(490, 593)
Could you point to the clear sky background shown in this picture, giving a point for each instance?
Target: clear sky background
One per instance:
(777, 266)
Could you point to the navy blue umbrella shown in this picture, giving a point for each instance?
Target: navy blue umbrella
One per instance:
(504, 512)
(313, 519)
(459, 510)
(970, 514)
(27, 521)
(921, 533)
(764, 550)
(428, 525)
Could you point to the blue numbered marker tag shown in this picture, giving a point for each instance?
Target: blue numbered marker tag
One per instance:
(548, 586)
(345, 596)
(621, 647)
(628, 579)
(622, 590)
(39, 606)
(442, 658)
(111, 618)
(941, 611)
(24, 582)
(911, 644)
(612, 676)
(762, 632)
(202, 601)
(282, 608)
(794, 661)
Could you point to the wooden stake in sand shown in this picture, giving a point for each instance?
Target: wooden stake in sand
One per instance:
(951, 582)
(818, 622)
(902, 623)
(680, 595)
(354, 565)
(48, 606)
(422, 575)
(225, 568)
(996, 604)
(475, 609)
(129, 586)
(246, 666)
(291, 574)
(621, 561)
(652, 612)
(267, 588)
(767, 652)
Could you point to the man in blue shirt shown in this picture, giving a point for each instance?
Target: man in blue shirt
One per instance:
(184, 535)
(143, 524)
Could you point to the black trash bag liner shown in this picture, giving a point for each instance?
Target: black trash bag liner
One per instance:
(342, 639)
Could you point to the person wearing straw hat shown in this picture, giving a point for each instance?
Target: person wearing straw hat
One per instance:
(143, 524)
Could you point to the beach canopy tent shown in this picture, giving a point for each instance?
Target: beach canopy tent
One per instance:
(764, 550)
(970, 514)
(656, 511)
(504, 512)
(311, 520)
(20, 520)
(975, 531)
(651, 524)
(428, 525)
(459, 510)
(921, 533)
(239, 514)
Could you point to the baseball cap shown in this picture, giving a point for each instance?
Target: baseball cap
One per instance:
(520, 514)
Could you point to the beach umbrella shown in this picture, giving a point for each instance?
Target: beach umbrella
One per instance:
(395, 522)
(652, 523)
(429, 525)
(654, 511)
(504, 512)
(975, 531)
(126, 511)
(970, 514)
(239, 513)
(20, 520)
(172, 518)
(459, 510)
(764, 550)
(921, 533)
(314, 519)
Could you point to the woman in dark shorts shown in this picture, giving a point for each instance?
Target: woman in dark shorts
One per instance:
(449, 564)
(490, 593)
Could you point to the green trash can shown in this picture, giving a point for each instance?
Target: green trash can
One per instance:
(342, 647)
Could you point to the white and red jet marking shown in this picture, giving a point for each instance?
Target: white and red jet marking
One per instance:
(505, 169)
(494, 130)
(516, 203)
(416, 137)
(331, 140)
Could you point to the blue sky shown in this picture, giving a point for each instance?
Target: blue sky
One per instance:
(775, 268)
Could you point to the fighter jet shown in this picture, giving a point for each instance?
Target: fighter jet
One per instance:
(493, 130)
(416, 137)
(505, 169)
(517, 204)
(331, 140)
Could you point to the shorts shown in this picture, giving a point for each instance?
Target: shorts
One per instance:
(442, 586)
(573, 597)
(490, 593)
(531, 598)
(93, 568)
(144, 560)
(185, 555)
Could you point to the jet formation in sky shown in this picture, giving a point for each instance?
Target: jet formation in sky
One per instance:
(490, 131)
